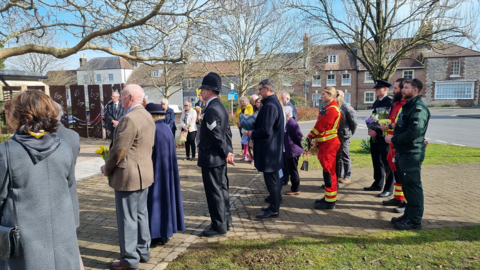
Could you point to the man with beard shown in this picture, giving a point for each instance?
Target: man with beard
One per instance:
(409, 142)
(398, 102)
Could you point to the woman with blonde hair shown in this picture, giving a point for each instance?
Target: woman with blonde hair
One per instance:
(247, 109)
(324, 134)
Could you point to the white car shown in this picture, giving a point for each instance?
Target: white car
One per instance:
(176, 108)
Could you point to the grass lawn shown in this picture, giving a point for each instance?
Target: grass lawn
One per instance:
(448, 248)
(436, 154)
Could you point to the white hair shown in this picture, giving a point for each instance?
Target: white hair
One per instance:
(145, 98)
(164, 100)
(244, 98)
(116, 93)
(286, 94)
(288, 111)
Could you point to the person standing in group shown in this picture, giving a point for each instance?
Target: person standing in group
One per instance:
(145, 101)
(215, 152)
(38, 192)
(268, 138)
(245, 108)
(258, 105)
(398, 102)
(188, 123)
(348, 125)
(165, 206)
(114, 111)
(170, 116)
(130, 170)
(253, 102)
(324, 134)
(286, 102)
(293, 150)
(200, 104)
(382, 173)
(409, 143)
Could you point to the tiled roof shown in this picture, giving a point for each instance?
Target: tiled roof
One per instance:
(319, 53)
(200, 69)
(451, 50)
(100, 63)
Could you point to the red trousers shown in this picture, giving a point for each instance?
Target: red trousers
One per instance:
(398, 193)
(327, 153)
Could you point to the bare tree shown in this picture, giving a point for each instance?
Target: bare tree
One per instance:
(61, 77)
(382, 33)
(96, 25)
(256, 37)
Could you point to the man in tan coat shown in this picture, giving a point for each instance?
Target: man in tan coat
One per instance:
(130, 168)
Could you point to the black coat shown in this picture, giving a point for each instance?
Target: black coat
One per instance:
(170, 120)
(112, 114)
(215, 136)
(268, 136)
(386, 102)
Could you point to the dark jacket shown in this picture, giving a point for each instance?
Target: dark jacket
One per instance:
(412, 124)
(112, 114)
(348, 122)
(268, 136)
(386, 102)
(293, 139)
(215, 136)
(170, 120)
(72, 138)
(294, 110)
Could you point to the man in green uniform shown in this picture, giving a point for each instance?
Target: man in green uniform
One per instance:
(409, 143)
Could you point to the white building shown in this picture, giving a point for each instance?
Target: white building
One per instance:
(103, 70)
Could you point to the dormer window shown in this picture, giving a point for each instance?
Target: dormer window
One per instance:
(156, 73)
(332, 58)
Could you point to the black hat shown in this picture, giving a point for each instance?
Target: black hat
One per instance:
(212, 81)
(154, 108)
(382, 83)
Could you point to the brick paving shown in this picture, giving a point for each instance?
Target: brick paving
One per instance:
(452, 199)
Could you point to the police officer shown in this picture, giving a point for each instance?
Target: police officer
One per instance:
(215, 151)
(409, 143)
(382, 173)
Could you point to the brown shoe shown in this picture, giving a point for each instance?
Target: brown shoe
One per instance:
(292, 192)
(345, 180)
(241, 153)
(120, 266)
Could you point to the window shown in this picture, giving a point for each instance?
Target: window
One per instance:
(156, 73)
(369, 97)
(86, 79)
(368, 77)
(346, 79)
(332, 58)
(190, 83)
(456, 90)
(347, 98)
(110, 77)
(316, 80)
(455, 69)
(287, 80)
(331, 80)
(408, 74)
(316, 100)
(99, 77)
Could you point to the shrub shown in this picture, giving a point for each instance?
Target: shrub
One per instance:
(365, 144)
(307, 114)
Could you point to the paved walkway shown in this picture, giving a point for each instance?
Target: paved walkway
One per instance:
(452, 197)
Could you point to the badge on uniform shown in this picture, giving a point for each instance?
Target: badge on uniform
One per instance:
(323, 111)
(212, 125)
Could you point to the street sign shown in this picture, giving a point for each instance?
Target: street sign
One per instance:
(232, 96)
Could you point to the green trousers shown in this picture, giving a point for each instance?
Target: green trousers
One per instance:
(409, 172)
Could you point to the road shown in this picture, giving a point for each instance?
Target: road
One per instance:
(456, 126)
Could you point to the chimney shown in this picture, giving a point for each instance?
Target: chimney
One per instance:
(134, 51)
(306, 50)
(83, 60)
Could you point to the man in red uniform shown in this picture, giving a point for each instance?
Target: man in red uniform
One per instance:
(324, 134)
(398, 102)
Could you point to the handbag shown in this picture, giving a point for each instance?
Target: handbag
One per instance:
(183, 136)
(10, 236)
(304, 164)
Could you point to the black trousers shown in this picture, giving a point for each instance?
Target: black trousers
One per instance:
(190, 143)
(240, 131)
(382, 173)
(286, 175)
(274, 187)
(292, 169)
(215, 182)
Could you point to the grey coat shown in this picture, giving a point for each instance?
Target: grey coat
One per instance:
(45, 198)
(348, 122)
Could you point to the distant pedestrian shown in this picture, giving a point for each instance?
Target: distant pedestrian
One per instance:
(114, 111)
(245, 108)
(268, 137)
(253, 102)
(293, 150)
(347, 127)
(170, 116)
(286, 102)
(188, 122)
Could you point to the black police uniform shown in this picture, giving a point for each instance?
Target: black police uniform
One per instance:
(215, 144)
(409, 142)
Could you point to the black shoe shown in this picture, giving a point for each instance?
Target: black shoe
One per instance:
(193, 159)
(265, 208)
(268, 214)
(400, 208)
(407, 224)
(320, 200)
(229, 227)
(212, 233)
(267, 200)
(285, 183)
(324, 205)
(397, 219)
(392, 202)
(385, 194)
(187, 158)
(370, 188)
